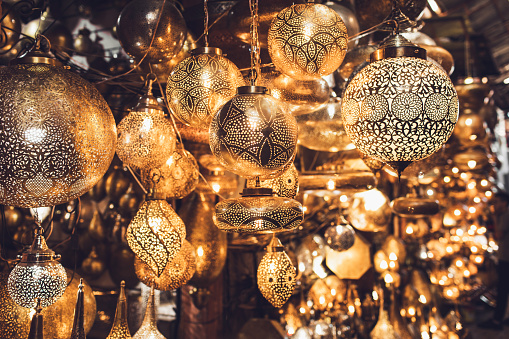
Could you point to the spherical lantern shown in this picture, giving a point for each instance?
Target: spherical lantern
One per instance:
(58, 134)
(37, 277)
(340, 237)
(146, 138)
(251, 135)
(307, 41)
(201, 84)
(176, 274)
(176, 178)
(258, 211)
(400, 109)
(136, 30)
(276, 275)
(348, 17)
(156, 234)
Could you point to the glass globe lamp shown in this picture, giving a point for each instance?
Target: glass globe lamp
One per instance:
(251, 135)
(58, 134)
(307, 41)
(38, 279)
(276, 274)
(401, 107)
(201, 84)
(156, 233)
(258, 211)
(340, 237)
(146, 138)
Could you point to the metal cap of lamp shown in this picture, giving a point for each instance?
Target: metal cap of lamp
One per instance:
(146, 138)
(412, 206)
(156, 233)
(151, 29)
(120, 329)
(200, 84)
(286, 184)
(258, 211)
(38, 277)
(307, 41)
(276, 275)
(58, 133)
(251, 135)
(400, 108)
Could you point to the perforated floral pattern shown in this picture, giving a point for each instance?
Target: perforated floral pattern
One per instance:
(400, 109)
(276, 278)
(57, 135)
(307, 41)
(252, 136)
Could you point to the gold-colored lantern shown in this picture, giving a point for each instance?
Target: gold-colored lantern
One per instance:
(146, 138)
(326, 292)
(138, 35)
(340, 236)
(307, 41)
(251, 135)
(176, 273)
(148, 328)
(258, 211)
(38, 279)
(120, 329)
(156, 234)
(176, 178)
(276, 274)
(58, 134)
(352, 263)
(401, 107)
(201, 84)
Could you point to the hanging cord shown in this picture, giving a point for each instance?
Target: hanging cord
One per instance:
(206, 23)
(255, 43)
(137, 180)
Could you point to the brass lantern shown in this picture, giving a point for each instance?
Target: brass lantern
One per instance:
(120, 329)
(401, 107)
(57, 133)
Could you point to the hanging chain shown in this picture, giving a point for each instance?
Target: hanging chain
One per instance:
(206, 22)
(255, 42)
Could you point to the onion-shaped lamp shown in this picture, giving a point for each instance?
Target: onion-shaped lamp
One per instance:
(38, 279)
(146, 138)
(58, 134)
(251, 135)
(401, 107)
(276, 274)
(156, 233)
(120, 329)
(258, 211)
(307, 41)
(201, 84)
(148, 328)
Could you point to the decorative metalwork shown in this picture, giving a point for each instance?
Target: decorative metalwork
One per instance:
(176, 178)
(156, 234)
(285, 185)
(120, 329)
(251, 135)
(258, 213)
(146, 138)
(148, 328)
(78, 327)
(176, 274)
(38, 276)
(200, 85)
(147, 28)
(276, 274)
(340, 237)
(57, 135)
(399, 109)
(307, 41)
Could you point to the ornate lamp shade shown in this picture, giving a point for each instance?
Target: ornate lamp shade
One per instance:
(258, 211)
(120, 329)
(251, 135)
(148, 328)
(146, 138)
(307, 41)
(156, 234)
(37, 277)
(400, 109)
(201, 84)
(348, 17)
(176, 178)
(58, 134)
(176, 274)
(276, 275)
(136, 25)
(285, 185)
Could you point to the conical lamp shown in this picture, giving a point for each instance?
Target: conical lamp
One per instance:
(120, 329)
(148, 329)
